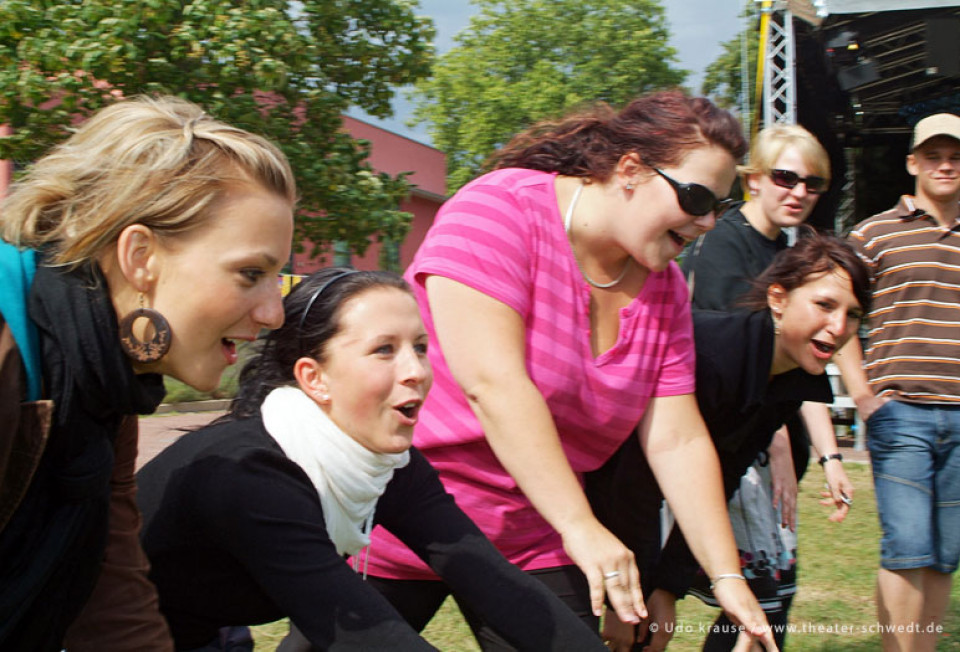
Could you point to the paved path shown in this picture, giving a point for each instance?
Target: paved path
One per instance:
(159, 431)
(849, 455)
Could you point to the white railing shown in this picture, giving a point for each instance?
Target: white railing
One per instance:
(841, 401)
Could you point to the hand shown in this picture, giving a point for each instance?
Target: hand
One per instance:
(618, 636)
(839, 488)
(867, 405)
(740, 605)
(610, 568)
(746, 644)
(662, 607)
(783, 479)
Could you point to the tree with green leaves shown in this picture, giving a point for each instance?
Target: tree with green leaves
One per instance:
(723, 78)
(281, 68)
(521, 61)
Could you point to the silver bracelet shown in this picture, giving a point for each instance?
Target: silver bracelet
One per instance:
(726, 576)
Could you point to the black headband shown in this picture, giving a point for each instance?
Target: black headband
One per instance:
(316, 295)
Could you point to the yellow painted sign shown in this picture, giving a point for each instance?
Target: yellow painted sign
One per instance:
(288, 282)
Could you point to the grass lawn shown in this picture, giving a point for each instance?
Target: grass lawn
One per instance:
(834, 608)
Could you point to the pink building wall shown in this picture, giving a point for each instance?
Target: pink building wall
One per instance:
(6, 167)
(393, 154)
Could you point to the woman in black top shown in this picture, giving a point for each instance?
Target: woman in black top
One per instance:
(788, 170)
(249, 520)
(754, 370)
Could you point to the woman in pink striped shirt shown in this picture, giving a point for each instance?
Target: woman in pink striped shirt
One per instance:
(560, 326)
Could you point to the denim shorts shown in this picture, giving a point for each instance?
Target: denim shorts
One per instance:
(915, 453)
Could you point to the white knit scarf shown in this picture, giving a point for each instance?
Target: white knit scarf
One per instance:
(348, 477)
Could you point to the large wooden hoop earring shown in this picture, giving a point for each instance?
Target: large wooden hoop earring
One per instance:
(154, 348)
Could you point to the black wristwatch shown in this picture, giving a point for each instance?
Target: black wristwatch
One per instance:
(826, 458)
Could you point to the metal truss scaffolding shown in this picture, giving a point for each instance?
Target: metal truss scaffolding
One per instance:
(779, 102)
(779, 78)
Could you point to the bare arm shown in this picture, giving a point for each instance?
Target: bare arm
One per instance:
(783, 477)
(483, 344)
(816, 416)
(685, 462)
(849, 360)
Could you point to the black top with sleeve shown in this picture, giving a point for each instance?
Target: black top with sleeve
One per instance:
(721, 263)
(742, 406)
(235, 535)
(719, 267)
(740, 402)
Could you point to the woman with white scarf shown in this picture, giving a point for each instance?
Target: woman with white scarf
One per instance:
(251, 518)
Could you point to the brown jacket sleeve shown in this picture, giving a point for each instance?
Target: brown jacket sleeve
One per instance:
(24, 428)
(123, 614)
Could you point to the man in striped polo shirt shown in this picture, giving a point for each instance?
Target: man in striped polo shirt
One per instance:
(908, 389)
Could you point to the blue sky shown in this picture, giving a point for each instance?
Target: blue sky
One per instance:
(697, 27)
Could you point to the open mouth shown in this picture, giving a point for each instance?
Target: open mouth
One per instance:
(409, 409)
(679, 239)
(229, 350)
(826, 350)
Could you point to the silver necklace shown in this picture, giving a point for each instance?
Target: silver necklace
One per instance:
(566, 227)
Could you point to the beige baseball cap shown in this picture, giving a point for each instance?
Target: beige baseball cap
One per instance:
(939, 124)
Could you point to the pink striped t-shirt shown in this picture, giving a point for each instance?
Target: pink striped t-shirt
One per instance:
(503, 235)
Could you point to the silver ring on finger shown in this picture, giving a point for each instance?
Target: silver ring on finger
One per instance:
(612, 575)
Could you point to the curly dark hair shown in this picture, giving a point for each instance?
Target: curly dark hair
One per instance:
(661, 128)
(311, 319)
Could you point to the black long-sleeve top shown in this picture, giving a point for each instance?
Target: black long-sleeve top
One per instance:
(742, 405)
(235, 535)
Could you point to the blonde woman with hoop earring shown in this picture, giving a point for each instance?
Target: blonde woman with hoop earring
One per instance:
(147, 244)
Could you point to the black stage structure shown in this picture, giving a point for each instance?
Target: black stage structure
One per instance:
(866, 72)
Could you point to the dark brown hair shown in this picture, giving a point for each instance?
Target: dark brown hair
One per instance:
(311, 318)
(814, 253)
(661, 127)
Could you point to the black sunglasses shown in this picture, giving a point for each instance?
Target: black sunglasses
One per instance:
(695, 199)
(790, 179)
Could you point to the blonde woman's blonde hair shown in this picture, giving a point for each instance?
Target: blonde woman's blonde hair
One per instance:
(770, 143)
(156, 161)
